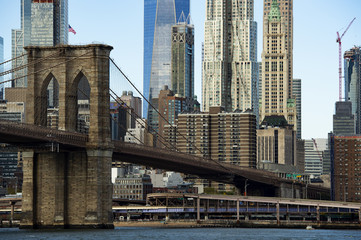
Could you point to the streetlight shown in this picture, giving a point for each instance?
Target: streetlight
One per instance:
(245, 187)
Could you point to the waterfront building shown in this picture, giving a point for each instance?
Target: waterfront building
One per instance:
(43, 23)
(132, 187)
(352, 83)
(276, 142)
(346, 168)
(230, 67)
(277, 95)
(159, 17)
(314, 150)
(343, 119)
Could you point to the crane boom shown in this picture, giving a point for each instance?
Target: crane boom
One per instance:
(340, 59)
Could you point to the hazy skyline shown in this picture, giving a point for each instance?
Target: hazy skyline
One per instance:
(120, 24)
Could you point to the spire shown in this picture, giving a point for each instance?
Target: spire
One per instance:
(274, 14)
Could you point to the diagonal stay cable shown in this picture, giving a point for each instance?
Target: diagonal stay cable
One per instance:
(117, 98)
(209, 158)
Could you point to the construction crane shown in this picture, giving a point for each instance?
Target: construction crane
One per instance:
(340, 59)
(318, 152)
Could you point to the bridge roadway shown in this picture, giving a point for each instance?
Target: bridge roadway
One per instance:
(260, 182)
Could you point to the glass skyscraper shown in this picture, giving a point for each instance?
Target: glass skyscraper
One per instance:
(43, 23)
(352, 83)
(159, 17)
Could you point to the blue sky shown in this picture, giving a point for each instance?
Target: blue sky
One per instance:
(120, 23)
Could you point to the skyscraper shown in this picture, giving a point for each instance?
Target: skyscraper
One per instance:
(343, 119)
(297, 93)
(352, 83)
(277, 96)
(43, 23)
(182, 64)
(230, 68)
(159, 17)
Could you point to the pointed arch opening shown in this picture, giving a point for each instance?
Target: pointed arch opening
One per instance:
(48, 103)
(82, 87)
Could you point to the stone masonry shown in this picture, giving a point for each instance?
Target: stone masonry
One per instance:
(69, 188)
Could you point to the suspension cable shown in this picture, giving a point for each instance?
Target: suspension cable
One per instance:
(23, 55)
(209, 158)
(28, 64)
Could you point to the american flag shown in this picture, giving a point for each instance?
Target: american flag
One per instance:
(71, 30)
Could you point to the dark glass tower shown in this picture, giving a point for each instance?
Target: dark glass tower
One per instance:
(353, 83)
(159, 17)
(43, 23)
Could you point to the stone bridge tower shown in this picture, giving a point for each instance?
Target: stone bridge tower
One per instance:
(69, 188)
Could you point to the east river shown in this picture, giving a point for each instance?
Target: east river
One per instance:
(181, 234)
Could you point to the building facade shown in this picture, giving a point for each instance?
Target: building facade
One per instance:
(159, 17)
(297, 93)
(346, 168)
(134, 105)
(43, 23)
(230, 67)
(219, 135)
(277, 94)
(343, 119)
(182, 64)
(314, 156)
(132, 187)
(352, 83)
(276, 142)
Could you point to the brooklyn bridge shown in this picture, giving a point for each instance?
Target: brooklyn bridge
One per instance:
(66, 174)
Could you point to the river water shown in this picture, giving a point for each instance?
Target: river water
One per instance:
(182, 234)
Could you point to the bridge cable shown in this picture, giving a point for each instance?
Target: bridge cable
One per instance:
(145, 123)
(44, 69)
(23, 55)
(28, 64)
(209, 158)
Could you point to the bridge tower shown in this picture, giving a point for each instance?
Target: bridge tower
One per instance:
(69, 188)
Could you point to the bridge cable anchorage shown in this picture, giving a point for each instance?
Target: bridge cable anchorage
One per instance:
(15, 69)
(116, 98)
(199, 150)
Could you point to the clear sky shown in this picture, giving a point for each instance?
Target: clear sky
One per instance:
(120, 23)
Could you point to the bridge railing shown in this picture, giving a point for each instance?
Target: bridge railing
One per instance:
(42, 133)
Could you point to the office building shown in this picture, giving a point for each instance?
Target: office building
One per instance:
(43, 23)
(230, 67)
(159, 17)
(352, 83)
(277, 96)
(343, 119)
(134, 105)
(132, 187)
(346, 168)
(314, 155)
(182, 64)
(297, 93)
(276, 142)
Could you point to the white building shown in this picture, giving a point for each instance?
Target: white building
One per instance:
(314, 150)
(230, 67)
